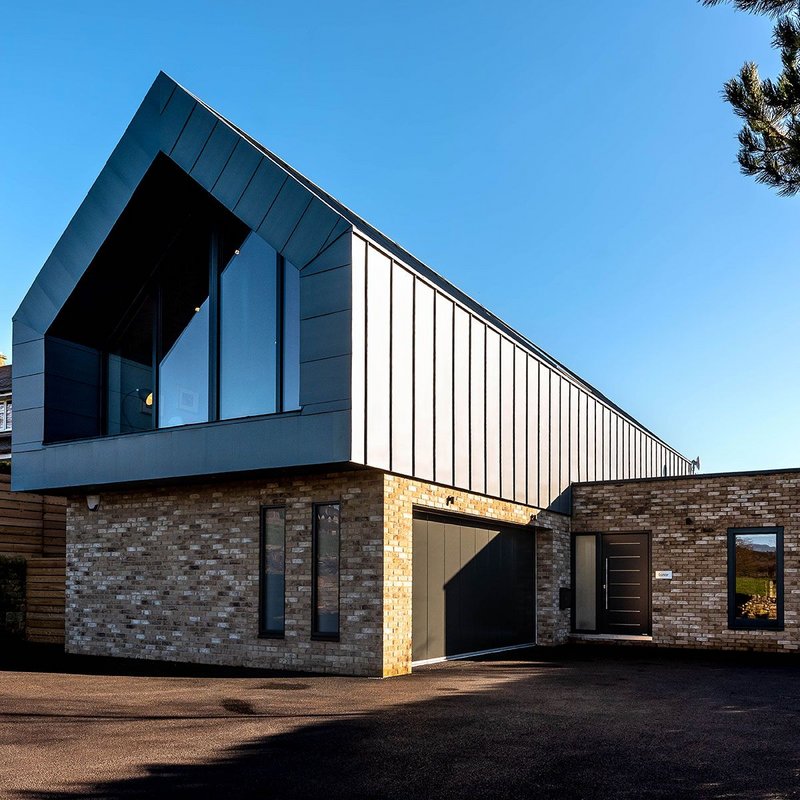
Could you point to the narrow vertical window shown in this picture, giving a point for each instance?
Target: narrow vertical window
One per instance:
(326, 571)
(291, 337)
(585, 554)
(184, 336)
(249, 335)
(130, 377)
(755, 578)
(273, 572)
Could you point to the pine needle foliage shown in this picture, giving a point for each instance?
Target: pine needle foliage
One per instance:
(769, 141)
(772, 8)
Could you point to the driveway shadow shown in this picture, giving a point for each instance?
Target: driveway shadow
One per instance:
(588, 729)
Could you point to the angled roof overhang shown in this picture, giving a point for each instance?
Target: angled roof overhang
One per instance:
(244, 177)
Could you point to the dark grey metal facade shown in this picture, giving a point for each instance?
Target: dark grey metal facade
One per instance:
(270, 200)
(399, 370)
(443, 394)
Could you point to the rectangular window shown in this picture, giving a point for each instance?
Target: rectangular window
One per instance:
(585, 582)
(130, 376)
(272, 614)
(184, 318)
(249, 341)
(5, 421)
(755, 578)
(325, 599)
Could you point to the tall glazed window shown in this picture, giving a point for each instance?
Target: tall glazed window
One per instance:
(249, 331)
(273, 572)
(755, 578)
(585, 581)
(183, 385)
(325, 599)
(130, 376)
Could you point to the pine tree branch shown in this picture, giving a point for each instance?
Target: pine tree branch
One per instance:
(772, 8)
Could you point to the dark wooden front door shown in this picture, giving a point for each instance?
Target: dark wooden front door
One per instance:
(625, 584)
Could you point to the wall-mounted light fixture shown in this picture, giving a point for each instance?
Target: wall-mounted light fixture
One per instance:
(92, 502)
(450, 500)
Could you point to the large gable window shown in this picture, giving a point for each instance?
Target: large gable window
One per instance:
(185, 316)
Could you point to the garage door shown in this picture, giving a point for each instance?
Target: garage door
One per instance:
(473, 587)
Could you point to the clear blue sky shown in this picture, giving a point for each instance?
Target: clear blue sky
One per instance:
(570, 165)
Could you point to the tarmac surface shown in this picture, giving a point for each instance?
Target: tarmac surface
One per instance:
(572, 723)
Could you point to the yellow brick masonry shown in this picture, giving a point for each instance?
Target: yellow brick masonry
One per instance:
(172, 572)
(688, 519)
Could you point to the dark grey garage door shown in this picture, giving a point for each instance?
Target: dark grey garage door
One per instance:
(473, 587)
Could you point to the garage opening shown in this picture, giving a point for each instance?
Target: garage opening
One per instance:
(473, 587)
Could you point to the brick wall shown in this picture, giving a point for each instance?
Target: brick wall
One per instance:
(552, 559)
(172, 573)
(688, 519)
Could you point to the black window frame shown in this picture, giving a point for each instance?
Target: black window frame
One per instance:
(317, 635)
(263, 631)
(734, 622)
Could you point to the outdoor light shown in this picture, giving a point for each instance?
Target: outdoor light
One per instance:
(92, 501)
(148, 401)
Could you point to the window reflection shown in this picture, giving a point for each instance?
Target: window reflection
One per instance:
(130, 375)
(205, 342)
(249, 331)
(326, 570)
(291, 337)
(183, 349)
(273, 571)
(756, 576)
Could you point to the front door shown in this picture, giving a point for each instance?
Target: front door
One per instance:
(625, 584)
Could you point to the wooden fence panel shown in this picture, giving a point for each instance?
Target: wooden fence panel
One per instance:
(44, 600)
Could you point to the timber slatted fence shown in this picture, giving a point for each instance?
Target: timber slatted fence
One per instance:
(30, 524)
(33, 526)
(44, 600)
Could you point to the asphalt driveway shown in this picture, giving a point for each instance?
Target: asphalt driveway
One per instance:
(575, 724)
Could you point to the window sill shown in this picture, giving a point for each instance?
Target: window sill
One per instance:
(322, 637)
(263, 635)
(777, 628)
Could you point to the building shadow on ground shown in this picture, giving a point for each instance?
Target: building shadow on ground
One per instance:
(591, 728)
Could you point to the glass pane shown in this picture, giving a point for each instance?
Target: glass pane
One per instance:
(326, 611)
(129, 397)
(2, 416)
(183, 367)
(8, 415)
(274, 570)
(585, 583)
(248, 331)
(291, 337)
(756, 576)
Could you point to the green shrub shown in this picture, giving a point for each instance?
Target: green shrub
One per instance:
(12, 596)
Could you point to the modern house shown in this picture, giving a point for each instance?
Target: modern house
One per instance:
(5, 409)
(286, 442)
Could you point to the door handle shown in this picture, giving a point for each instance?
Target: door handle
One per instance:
(606, 584)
